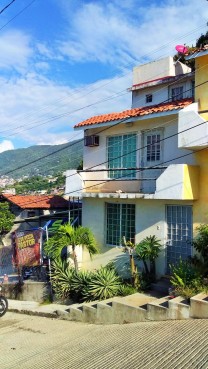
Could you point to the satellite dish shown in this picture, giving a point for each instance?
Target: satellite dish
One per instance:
(181, 49)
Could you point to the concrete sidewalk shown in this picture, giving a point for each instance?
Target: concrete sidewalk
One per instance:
(52, 310)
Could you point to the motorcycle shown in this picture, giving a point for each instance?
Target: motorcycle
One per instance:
(3, 303)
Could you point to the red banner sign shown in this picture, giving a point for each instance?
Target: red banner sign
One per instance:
(28, 248)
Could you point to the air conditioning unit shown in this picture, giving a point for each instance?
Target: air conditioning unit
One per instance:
(91, 140)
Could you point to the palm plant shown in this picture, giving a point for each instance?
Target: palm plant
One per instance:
(148, 249)
(66, 235)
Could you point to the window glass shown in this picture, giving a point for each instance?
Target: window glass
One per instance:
(177, 93)
(120, 222)
(122, 154)
(149, 98)
(153, 147)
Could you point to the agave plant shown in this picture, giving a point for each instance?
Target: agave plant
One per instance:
(79, 282)
(104, 284)
(61, 275)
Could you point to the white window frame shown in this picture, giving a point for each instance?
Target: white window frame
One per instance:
(152, 161)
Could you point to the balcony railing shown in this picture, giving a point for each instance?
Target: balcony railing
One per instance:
(176, 182)
(131, 180)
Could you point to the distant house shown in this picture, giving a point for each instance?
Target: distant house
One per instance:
(145, 170)
(35, 210)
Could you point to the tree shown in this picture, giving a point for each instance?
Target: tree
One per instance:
(202, 40)
(6, 219)
(148, 249)
(66, 235)
(200, 243)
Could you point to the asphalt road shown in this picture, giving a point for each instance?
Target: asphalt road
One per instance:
(34, 342)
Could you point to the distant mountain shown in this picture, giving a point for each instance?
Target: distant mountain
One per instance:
(41, 160)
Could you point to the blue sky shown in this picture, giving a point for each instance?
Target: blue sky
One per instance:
(59, 57)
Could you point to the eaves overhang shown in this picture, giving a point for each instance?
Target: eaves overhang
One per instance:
(129, 120)
(197, 54)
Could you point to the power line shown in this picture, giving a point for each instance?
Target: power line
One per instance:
(1, 11)
(150, 167)
(61, 149)
(142, 169)
(20, 12)
(123, 121)
(70, 144)
(57, 117)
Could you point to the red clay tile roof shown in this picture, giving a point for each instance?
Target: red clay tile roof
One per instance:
(136, 112)
(37, 201)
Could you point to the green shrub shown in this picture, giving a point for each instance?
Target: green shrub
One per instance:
(127, 289)
(183, 273)
(201, 245)
(61, 275)
(186, 279)
(186, 292)
(79, 282)
(104, 284)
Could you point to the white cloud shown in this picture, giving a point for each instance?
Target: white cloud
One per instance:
(113, 34)
(39, 111)
(36, 109)
(6, 145)
(15, 50)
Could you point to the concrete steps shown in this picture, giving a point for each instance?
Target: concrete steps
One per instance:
(199, 306)
(138, 307)
(158, 309)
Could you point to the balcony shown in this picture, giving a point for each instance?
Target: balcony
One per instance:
(175, 182)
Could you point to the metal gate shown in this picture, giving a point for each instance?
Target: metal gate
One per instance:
(179, 233)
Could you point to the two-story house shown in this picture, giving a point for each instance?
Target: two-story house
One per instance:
(145, 169)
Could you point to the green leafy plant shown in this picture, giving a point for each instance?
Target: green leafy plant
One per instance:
(66, 235)
(127, 289)
(79, 282)
(61, 276)
(183, 273)
(104, 284)
(186, 279)
(6, 219)
(200, 243)
(148, 250)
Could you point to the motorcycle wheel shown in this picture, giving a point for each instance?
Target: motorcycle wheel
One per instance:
(3, 305)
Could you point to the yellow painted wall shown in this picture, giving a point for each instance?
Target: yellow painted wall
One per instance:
(201, 76)
(190, 182)
(200, 210)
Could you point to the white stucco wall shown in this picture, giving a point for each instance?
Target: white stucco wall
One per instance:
(193, 128)
(96, 157)
(150, 220)
(160, 93)
(73, 184)
(157, 69)
(170, 183)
